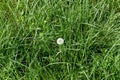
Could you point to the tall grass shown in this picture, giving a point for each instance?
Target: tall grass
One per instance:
(29, 30)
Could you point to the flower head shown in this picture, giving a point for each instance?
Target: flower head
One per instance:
(60, 41)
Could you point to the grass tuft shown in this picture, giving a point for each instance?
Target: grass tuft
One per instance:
(29, 30)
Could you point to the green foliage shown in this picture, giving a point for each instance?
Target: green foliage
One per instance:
(29, 30)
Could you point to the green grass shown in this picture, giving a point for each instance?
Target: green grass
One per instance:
(29, 30)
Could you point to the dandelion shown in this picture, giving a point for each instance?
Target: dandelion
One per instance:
(60, 41)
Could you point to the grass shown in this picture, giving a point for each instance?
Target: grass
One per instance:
(29, 30)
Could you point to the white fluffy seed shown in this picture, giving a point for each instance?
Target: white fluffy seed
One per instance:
(60, 41)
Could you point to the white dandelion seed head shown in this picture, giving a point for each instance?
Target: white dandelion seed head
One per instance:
(60, 41)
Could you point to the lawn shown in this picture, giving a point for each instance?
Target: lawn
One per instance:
(90, 33)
